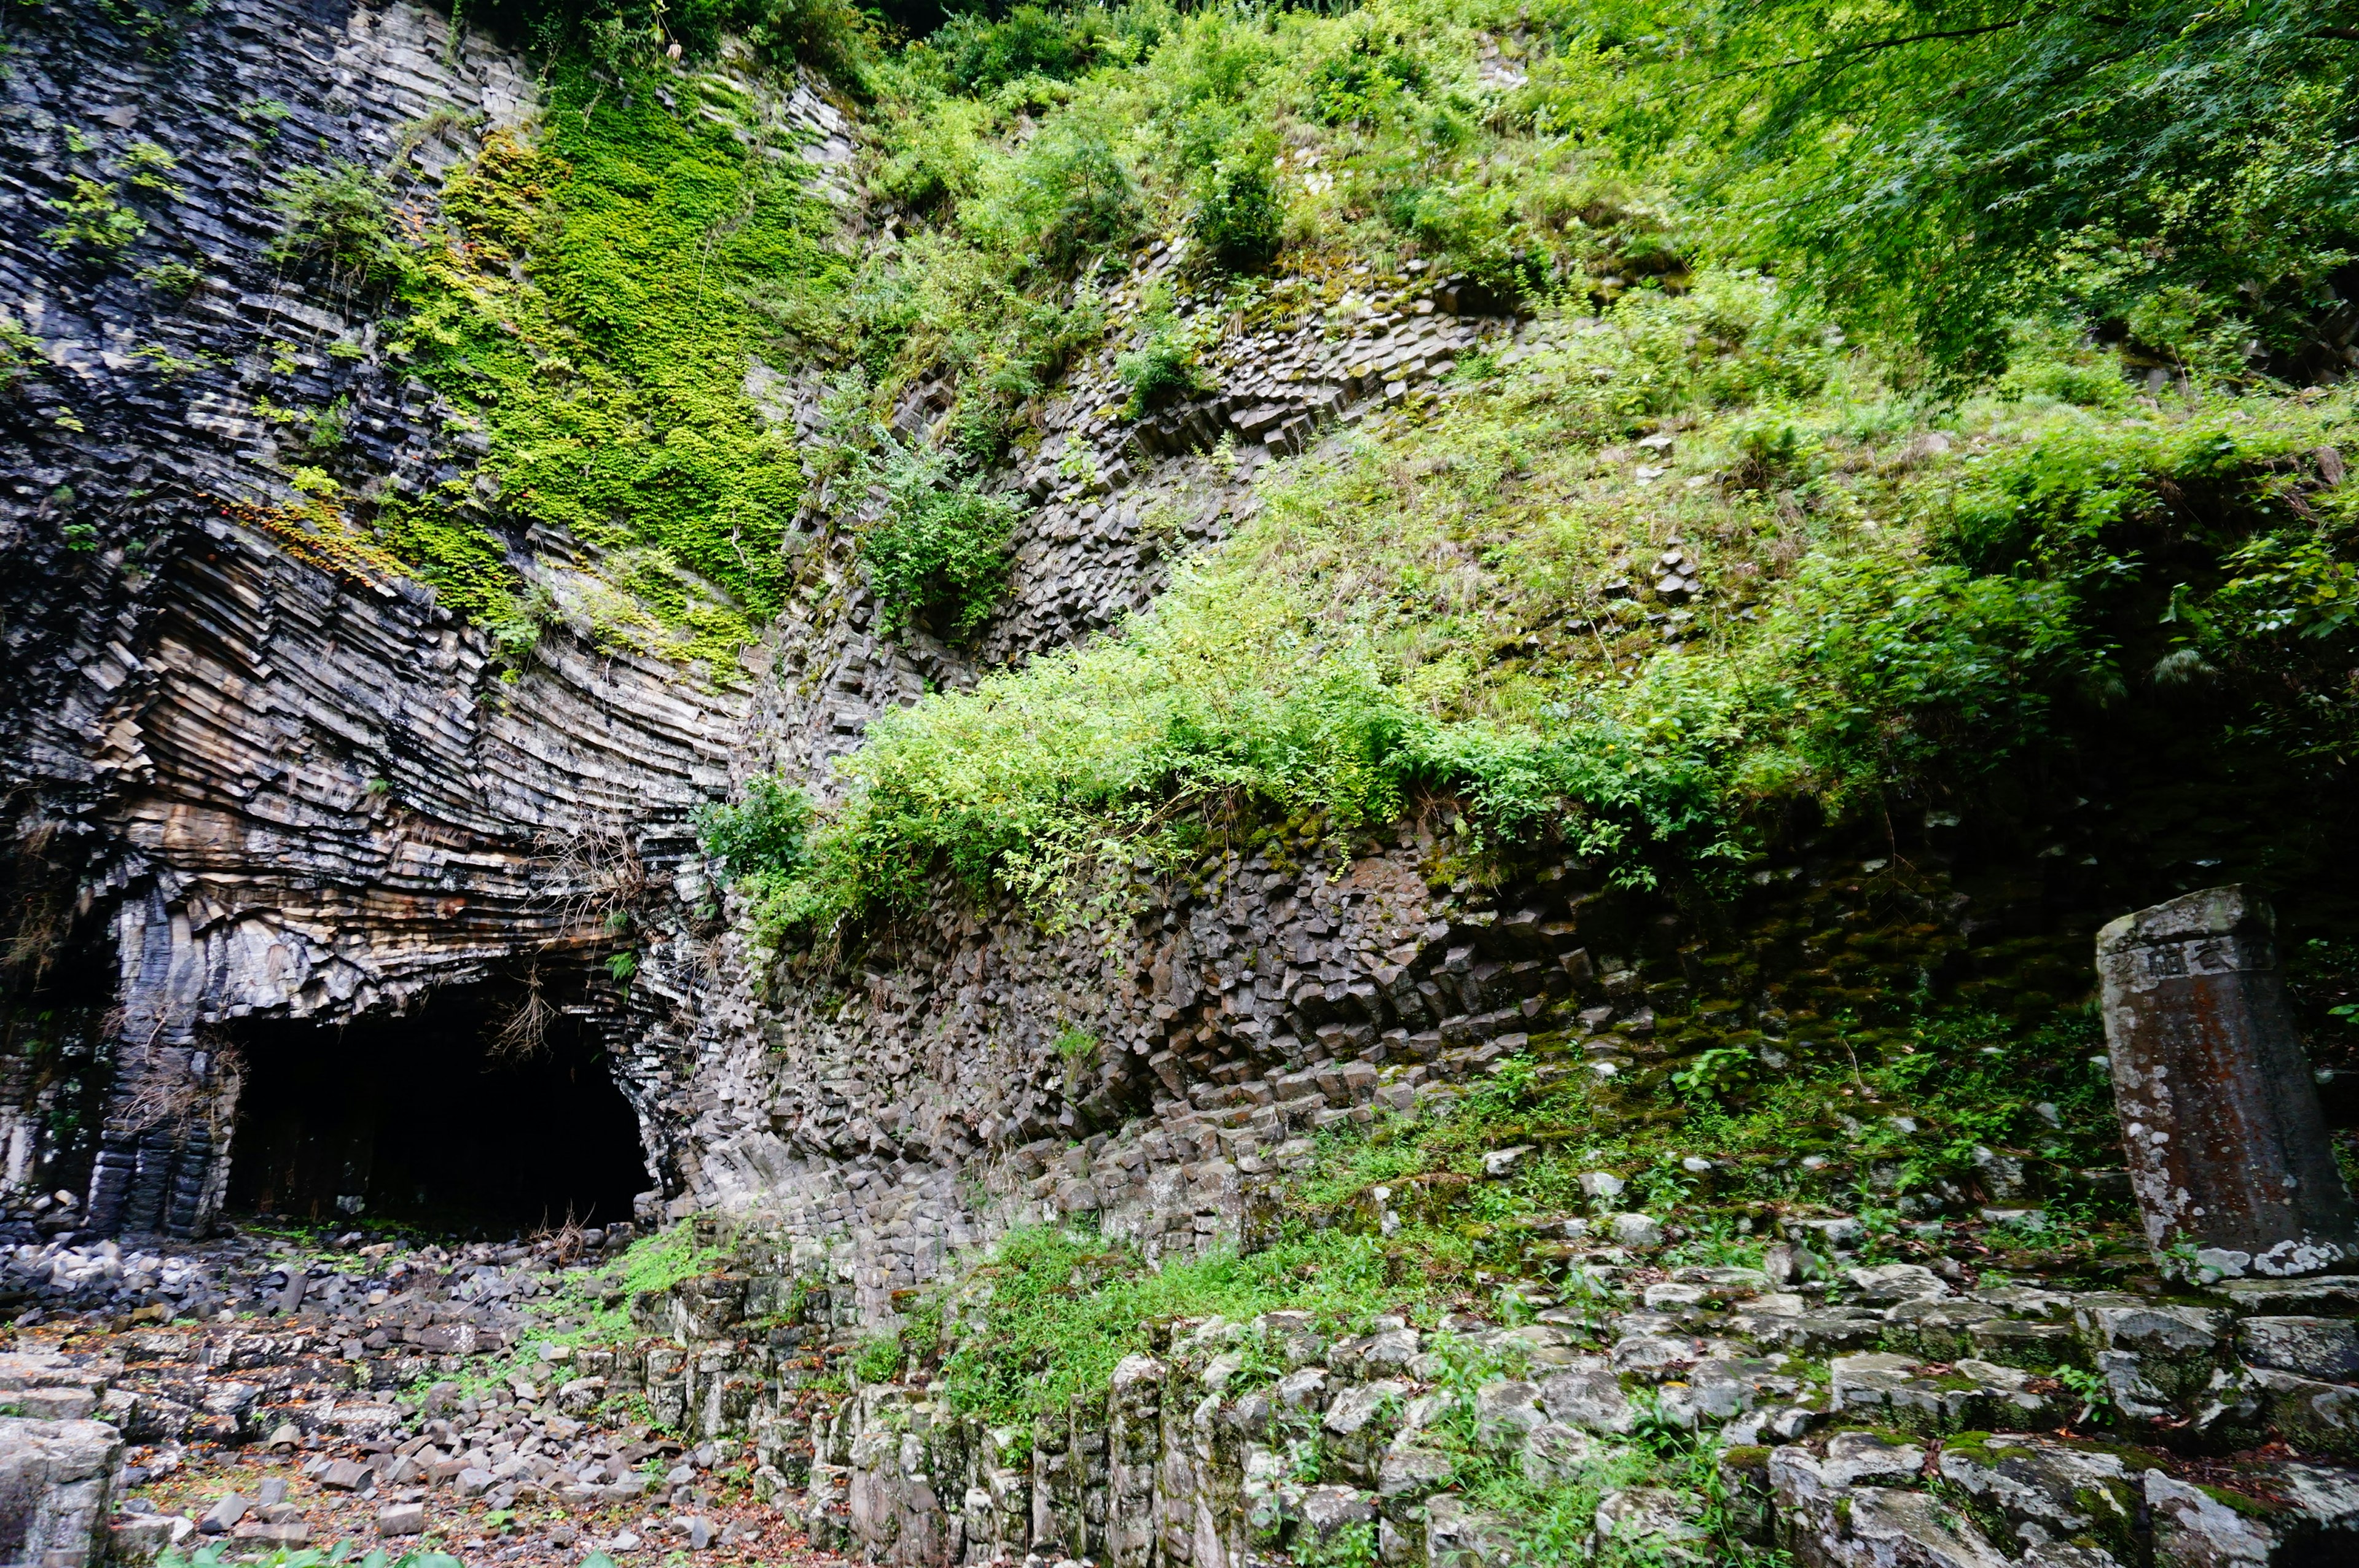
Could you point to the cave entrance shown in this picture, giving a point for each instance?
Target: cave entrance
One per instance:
(423, 1119)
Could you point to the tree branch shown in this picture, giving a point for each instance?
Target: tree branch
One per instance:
(1872, 48)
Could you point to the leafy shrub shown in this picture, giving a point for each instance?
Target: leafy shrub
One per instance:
(150, 167)
(2170, 162)
(938, 553)
(2048, 503)
(1236, 222)
(1897, 671)
(339, 217)
(1470, 221)
(1767, 446)
(1364, 80)
(979, 56)
(2096, 385)
(827, 35)
(1161, 371)
(1075, 198)
(173, 280)
(92, 220)
(20, 352)
(832, 37)
(878, 1360)
(763, 833)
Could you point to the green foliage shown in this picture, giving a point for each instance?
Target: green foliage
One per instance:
(1237, 221)
(1366, 81)
(1049, 1313)
(2178, 167)
(1071, 197)
(340, 218)
(1866, 672)
(93, 220)
(937, 553)
(150, 167)
(878, 1358)
(1352, 1546)
(1160, 372)
(609, 384)
(828, 36)
(174, 280)
(20, 352)
(979, 56)
(762, 835)
(1903, 668)
(1076, 1046)
(656, 1263)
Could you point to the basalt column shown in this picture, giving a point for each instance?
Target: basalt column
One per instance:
(2220, 1116)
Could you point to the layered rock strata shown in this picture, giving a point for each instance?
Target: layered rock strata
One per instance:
(253, 774)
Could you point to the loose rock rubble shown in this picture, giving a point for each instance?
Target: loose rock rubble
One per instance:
(260, 1393)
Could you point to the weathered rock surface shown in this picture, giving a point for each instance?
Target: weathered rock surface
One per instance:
(59, 1482)
(2228, 1148)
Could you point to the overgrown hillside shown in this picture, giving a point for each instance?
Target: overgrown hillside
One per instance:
(1797, 483)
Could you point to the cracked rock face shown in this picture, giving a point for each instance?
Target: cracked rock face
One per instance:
(244, 778)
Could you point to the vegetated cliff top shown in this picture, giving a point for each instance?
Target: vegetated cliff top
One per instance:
(1876, 419)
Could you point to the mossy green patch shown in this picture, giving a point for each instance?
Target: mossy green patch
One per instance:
(585, 300)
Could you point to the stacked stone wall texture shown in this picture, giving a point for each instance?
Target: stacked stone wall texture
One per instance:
(1883, 1415)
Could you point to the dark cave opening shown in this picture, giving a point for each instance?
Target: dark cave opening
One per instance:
(420, 1119)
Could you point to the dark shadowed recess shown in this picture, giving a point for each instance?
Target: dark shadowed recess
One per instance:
(423, 1119)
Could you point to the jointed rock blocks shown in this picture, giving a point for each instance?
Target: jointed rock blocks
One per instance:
(2226, 1145)
(58, 1480)
(1231, 1441)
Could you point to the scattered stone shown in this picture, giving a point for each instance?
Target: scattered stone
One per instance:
(347, 1475)
(401, 1518)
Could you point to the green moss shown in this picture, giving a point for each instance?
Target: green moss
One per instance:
(2245, 1505)
(585, 300)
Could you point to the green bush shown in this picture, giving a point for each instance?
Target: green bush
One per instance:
(979, 56)
(1904, 672)
(1161, 371)
(20, 352)
(1366, 81)
(878, 1360)
(830, 36)
(763, 833)
(339, 217)
(2170, 166)
(93, 220)
(1076, 199)
(939, 552)
(1236, 218)
(2098, 385)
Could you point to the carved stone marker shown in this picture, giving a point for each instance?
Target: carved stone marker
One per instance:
(2220, 1119)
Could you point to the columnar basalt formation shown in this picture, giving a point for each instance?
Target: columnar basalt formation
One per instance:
(249, 774)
